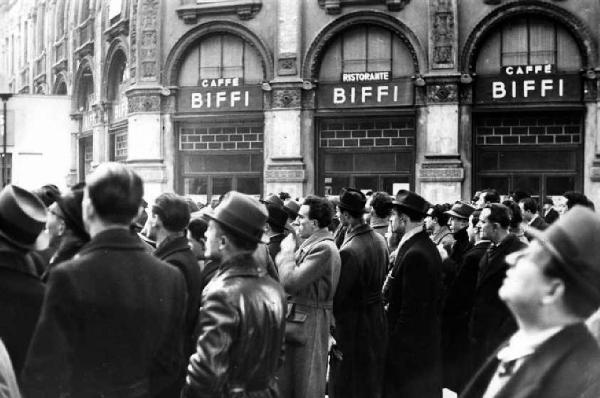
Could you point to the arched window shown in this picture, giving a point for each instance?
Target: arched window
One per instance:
(118, 77)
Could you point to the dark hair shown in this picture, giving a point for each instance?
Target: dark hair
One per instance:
(277, 228)
(197, 228)
(517, 196)
(490, 195)
(78, 186)
(548, 201)
(575, 299)
(516, 218)
(173, 211)
(192, 206)
(284, 195)
(48, 194)
(412, 215)
(382, 204)
(475, 218)
(499, 213)
(438, 212)
(576, 198)
(320, 209)
(116, 192)
(529, 204)
(236, 240)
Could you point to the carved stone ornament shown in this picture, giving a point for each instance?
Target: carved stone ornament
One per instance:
(191, 10)
(334, 7)
(133, 42)
(442, 93)
(143, 103)
(148, 43)
(286, 64)
(443, 35)
(287, 98)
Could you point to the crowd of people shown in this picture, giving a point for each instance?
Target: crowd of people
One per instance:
(356, 295)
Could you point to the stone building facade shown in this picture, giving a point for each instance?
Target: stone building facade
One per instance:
(439, 96)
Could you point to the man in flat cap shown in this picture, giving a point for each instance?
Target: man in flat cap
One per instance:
(360, 324)
(413, 294)
(550, 288)
(242, 317)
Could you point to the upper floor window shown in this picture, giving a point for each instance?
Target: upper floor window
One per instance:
(59, 20)
(221, 56)
(529, 40)
(40, 29)
(366, 48)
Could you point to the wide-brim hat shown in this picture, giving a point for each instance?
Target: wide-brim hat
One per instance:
(70, 206)
(241, 214)
(461, 210)
(574, 241)
(352, 200)
(23, 218)
(409, 200)
(292, 208)
(275, 208)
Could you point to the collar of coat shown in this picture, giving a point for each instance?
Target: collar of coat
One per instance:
(318, 236)
(16, 260)
(242, 264)
(114, 238)
(359, 230)
(172, 245)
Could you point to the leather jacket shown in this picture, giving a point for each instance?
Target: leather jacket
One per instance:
(241, 333)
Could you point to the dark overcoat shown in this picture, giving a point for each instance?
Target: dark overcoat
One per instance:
(455, 318)
(413, 365)
(21, 296)
(111, 324)
(491, 322)
(241, 331)
(566, 365)
(360, 324)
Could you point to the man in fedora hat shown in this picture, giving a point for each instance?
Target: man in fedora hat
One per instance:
(550, 288)
(381, 211)
(242, 317)
(112, 320)
(276, 224)
(22, 222)
(309, 276)
(358, 306)
(413, 294)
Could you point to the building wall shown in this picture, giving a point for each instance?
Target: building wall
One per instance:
(291, 37)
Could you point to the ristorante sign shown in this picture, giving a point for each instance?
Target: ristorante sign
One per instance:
(528, 83)
(366, 90)
(220, 95)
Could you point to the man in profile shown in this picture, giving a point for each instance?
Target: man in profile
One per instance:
(112, 319)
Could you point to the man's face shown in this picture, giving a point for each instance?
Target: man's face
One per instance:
(430, 223)
(306, 226)
(55, 223)
(154, 223)
(525, 283)
(486, 227)
(398, 222)
(481, 201)
(87, 209)
(561, 205)
(473, 231)
(456, 224)
(527, 215)
(213, 239)
(341, 217)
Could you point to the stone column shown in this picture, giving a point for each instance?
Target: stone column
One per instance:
(440, 174)
(284, 167)
(73, 176)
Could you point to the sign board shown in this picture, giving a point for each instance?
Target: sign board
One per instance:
(397, 92)
(351, 77)
(226, 97)
(528, 83)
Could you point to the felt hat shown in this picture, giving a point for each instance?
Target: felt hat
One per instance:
(409, 200)
(461, 210)
(574, 241)
(242, 215)
(22, 218)
(292, 208)
(70, 206)
(352, 200)
(277, 214)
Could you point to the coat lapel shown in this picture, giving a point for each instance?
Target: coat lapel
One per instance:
(495, 260)
(172, 246)
(361, 229)
(312, 240)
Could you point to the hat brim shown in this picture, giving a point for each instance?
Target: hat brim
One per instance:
(363, 210)
(41, 242)
(235, 229)
(403, 206)
(455, 214)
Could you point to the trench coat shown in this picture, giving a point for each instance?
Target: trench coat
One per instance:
(491, 322)
(241, 330)
(566, 365)
(413, 365)
(111, 324)
(311, 296)
(360, 323)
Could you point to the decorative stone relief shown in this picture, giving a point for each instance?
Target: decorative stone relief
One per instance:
(287, 98)
(286, 64)
(334, 7)
(133, 42)
(190, 10)
(148, 44)
(442, 174)
(443, 35)
(143, 103)
(442, 93)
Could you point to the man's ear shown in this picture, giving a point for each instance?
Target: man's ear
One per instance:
(556, 291)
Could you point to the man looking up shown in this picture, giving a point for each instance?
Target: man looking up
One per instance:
(112, 319)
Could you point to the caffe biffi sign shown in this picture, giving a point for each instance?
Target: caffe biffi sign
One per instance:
(528, 83)
(220, 95)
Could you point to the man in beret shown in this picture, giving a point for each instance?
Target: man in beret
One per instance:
(413, 293)
(358, 306)
(550, 288)
(242, 317)
(112, 320)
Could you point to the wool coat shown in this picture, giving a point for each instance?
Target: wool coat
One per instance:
(360, 323)
(566, 365)
(21, 297)
(413, 365)
(310, 303)
(111, 324)
(491, 322)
